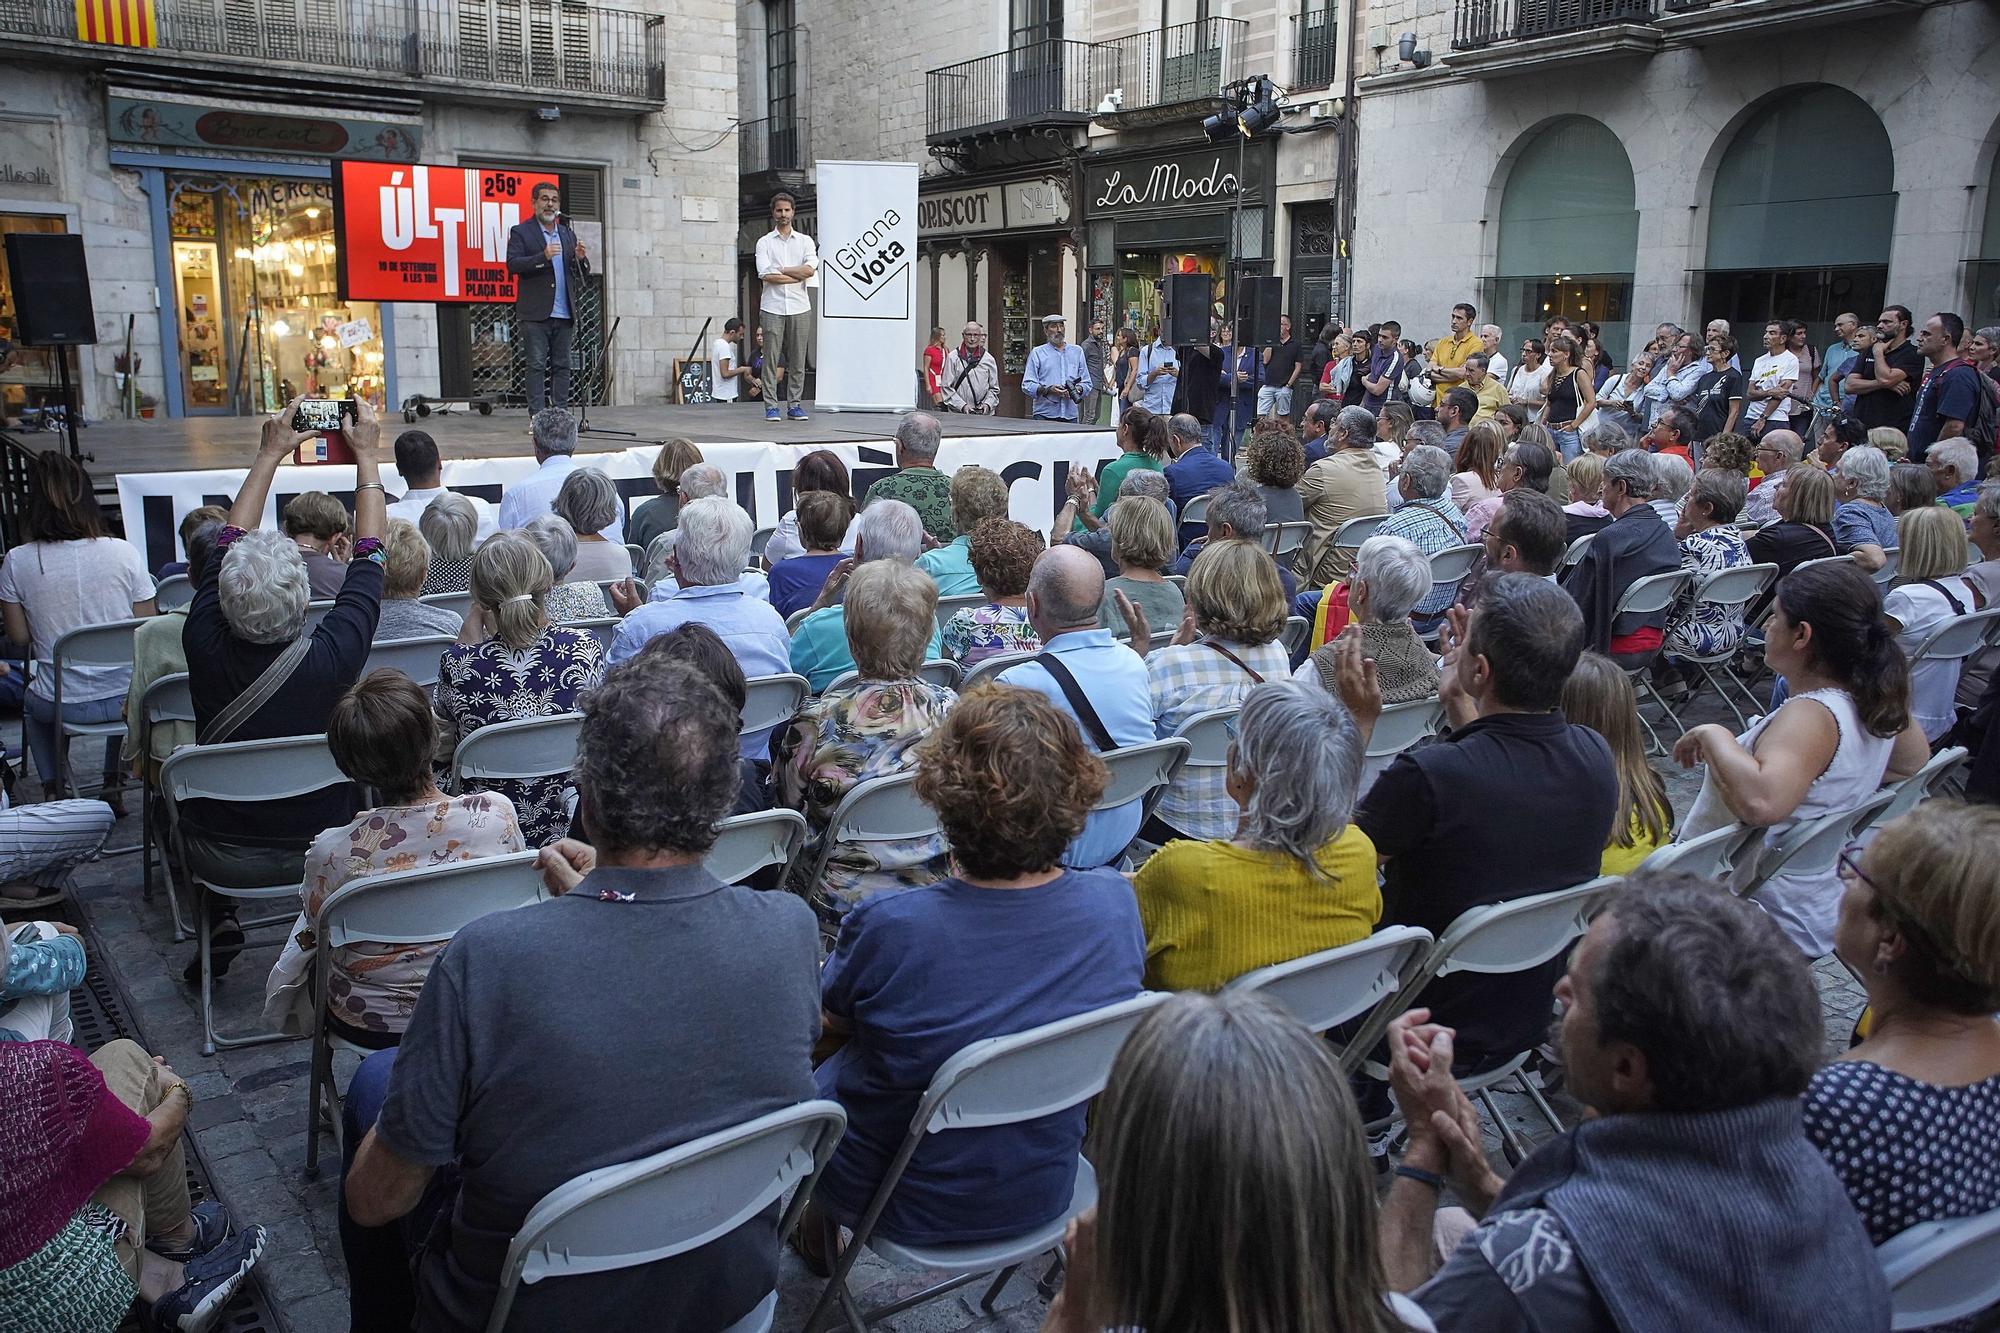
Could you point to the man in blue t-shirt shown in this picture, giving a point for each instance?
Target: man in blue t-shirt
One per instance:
(1948, 403)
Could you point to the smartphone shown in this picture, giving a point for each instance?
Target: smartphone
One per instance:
(323, 414)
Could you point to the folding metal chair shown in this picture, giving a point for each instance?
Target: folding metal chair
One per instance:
(1939, 1272)
(672, 1202)
(884, 809)
(316, 612)
(937, 671)
(422, 660)
(1335, 986)
(242, 772)
(1208, 737)
(1142, 773)
(1730, 589)
(106, 645)
(1398, 728)
(1354, 531)
(772, 701)
(1893, 558)
(1497, 939)
(989, 668)
(1944, 769)
(1574, 553)
(745, 844)
(1282, 540)
(796, 619)
(637, 555)
(1195, 511)
(602, 628)
(1645, 596)
(531, 747)
(1824, 560)
(173, 592)
(999, 1081)
(947, 607)
(1450, 566)
(1953, 641)
(457, 602)
(1293, 635)
(760, 541)
(1810, 847)
(398, 907)
(166, 700)
(1714, 855)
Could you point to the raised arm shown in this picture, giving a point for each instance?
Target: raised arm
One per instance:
(278, 442)
(364, 438)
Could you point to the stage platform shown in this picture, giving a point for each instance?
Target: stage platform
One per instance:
(162, 445)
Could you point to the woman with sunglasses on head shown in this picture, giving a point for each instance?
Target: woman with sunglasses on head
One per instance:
(1530, 383)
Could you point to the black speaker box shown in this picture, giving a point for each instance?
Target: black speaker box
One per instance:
(1187, 306)
(51, 290)
(1259, 303)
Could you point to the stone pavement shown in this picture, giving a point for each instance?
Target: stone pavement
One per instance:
(250, 1114)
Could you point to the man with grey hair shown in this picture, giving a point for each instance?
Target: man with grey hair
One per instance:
(917, 481)
(1196, 469)
(1098, 681)
(1634, 544)
(886, 530)
(1429, 519)
(1496, 360)
(1348, 483)
(1776, 451)
(1096, 536)
(705, 564)
(1954, 464)
(554, 430)
(1235, 510)
(1314, 428)
(696, 483)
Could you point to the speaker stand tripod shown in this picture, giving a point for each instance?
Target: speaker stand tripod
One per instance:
(583, 426)
(76, 454)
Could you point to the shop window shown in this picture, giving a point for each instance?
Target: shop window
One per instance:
(1569, 235)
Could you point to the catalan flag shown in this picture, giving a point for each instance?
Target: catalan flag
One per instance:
(117, 22)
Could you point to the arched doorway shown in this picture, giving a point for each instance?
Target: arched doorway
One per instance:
(1986, 268)
(1801, 214)
(1569, 235)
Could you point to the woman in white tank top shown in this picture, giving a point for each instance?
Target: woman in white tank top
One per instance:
(1845, 730)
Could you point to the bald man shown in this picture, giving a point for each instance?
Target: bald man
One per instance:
(1777, 450)
(1092, 677)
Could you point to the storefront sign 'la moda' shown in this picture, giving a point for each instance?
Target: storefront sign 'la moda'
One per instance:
(1152, 185)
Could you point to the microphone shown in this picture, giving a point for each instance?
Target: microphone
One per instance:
(582, 261)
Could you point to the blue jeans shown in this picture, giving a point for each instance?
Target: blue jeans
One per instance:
(1569, 442)
(40, 721)
(381, 1293)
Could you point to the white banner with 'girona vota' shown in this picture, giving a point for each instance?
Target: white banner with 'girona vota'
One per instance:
(759, 473)
(866, 359)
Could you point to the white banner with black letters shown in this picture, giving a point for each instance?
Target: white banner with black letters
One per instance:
(867, 348)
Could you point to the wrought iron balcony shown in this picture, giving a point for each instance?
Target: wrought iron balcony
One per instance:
(775, 147)
(479, 50)
(1189, 62)
(1315, 48)
(1040, 84)
(1480, 23)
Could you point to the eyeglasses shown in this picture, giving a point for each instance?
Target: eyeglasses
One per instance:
(1849, 862)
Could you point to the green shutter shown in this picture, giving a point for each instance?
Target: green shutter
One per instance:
(1808, 181)
(1569, 205)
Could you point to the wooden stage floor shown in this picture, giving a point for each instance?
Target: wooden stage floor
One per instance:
(163, 445)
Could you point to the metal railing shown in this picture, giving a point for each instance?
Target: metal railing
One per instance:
(1189, 62)
(1478, 23)
(777, 144)
(1033, 84)
(1315, 48)
(536, 46)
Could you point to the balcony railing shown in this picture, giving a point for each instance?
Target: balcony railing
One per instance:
(1479, 23)
(1315, 48)
(1189, 62)
(1053, 82)
(776, 145)
(536, 48)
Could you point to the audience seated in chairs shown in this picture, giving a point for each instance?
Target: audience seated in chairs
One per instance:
(1633, 545)
(41, 844)
(1235, 510)
(511, 663)
(1267, 1230)
(916, 481)
(1845, 729)
(568, 600)
(820, 470)
(867, 729)
(249, 611)
(1776, 452)
(820, 521)
(1527, 536)
(1862, 523)
(1296, 877)
(1525, 465)
(662, 512)
(1911, 485)
(408, 563)
(198, 517)
(319, 525)
(703, 649)
(1011, 942)
(1138, 483)
(1427, 518)
(1910, 1118)
(1710, 544)
(383, 735)
(450, 527)
(1273, 460)
(1391, 576)
(1142, 543)
(1929, 590)
(1984, 576)
(703, 481)
(977, 494)
(887, 530)
(588, 502)
(157, 652)
(1003, 558)
(1226, 644)
(1599, 695)
(1689, 1187)
(44, 963)
(581, 1032)
(1804, 527)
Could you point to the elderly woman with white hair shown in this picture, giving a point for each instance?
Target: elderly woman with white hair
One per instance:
(1295, 877)
(1391, 575)
(568, 601)
(256, 672)
(886, 530)
(588, 502)
(511, 662)
(450, 525)
(403, 616)
(1861, 518)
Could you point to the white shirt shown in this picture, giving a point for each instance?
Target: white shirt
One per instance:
(1496, 366)
(535, 495)
(775, 252)
(1920, 609)
(1530, 388)
(725, 387)
(1768, 372)
(69, 585)
(417, 499)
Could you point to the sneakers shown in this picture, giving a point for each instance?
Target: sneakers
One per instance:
(797, 412)
(211, 1281)
(211, 1228)
(770, 414)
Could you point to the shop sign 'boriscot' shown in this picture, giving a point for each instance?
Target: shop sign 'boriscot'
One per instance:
(421, 233)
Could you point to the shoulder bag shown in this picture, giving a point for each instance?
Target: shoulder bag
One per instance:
(258, 693)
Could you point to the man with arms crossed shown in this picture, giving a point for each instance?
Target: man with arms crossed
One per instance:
(785, 260)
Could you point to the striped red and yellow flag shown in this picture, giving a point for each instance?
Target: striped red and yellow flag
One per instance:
(117, 22)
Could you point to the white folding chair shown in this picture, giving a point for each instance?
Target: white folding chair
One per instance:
(745, 844)
(459, 603)
(1643, 597)
(884, 809)
(1574, 553)
(760, 541)
(530, 747)
(429, 903)
(1142, 773)
(1942, 770)
(316, 612)
(1714, 855)
(1497, 939)
(166, 700)
(947, 607)
(1730, 589)
(1824, 560)
(1208, 737)
(242, 772)
(1811, 847)
(796, 619)
(1334, 986)
(108, 645)
(1195, 511)
(1892, 559)
(1939, 1272)
(988, 668)
(422, 659)
(1293, 635)
(672, 1202)
(637, 555)
(999, 1081)
(1357, 530)
(1283, 539)
(173, 592)
(1954, 641)
(1450, 566)
(772, 701)
(1398, 728)
(937, 671)
(602, 628)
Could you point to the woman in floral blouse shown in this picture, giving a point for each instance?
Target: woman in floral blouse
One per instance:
(1003, 553)
(869, 729)
(511, 663)
(1709, 543)
(382, 735)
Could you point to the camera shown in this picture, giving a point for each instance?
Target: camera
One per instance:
(322, 414)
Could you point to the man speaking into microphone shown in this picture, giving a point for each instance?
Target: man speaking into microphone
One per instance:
(547, 261)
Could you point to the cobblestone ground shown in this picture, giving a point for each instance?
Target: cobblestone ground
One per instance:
(249, 1120)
